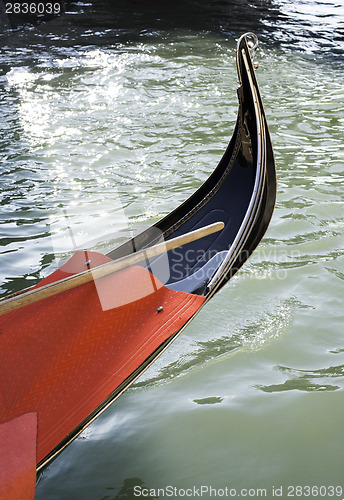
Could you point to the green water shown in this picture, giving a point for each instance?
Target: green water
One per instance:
(250, 396)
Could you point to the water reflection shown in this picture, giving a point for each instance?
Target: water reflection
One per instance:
(305, 380)
(312, 27)
(298, 385)
(127, 490)
(130, 485)
(211, 400)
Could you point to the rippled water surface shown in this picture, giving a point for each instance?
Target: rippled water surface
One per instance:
(113, 115)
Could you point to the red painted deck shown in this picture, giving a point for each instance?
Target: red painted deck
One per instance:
(60, 358)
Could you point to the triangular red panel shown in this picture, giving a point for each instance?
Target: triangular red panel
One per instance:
(63, 356)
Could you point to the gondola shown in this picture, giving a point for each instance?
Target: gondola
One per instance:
(56, 379)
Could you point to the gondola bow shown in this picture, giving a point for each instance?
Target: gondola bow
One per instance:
(65, 359)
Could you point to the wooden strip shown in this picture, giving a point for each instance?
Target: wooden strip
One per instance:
(32, 296)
